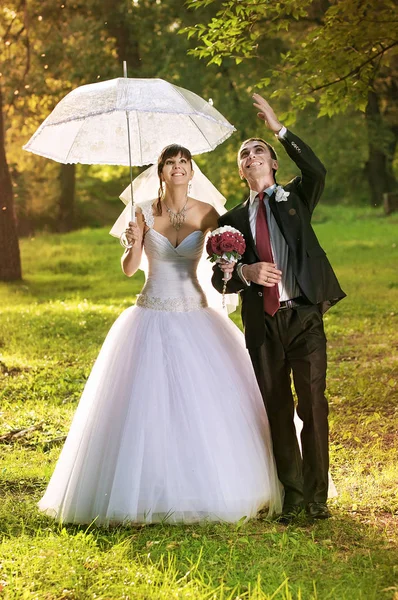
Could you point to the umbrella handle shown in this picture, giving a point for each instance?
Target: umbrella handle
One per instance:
(129, 144)
(133, 217)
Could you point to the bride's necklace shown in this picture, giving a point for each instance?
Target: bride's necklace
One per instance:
(177, 218)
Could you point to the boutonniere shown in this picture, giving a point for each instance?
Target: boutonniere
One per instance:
(280, 194)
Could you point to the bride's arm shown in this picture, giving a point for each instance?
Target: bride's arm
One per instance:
(210, 220)
(131, 258)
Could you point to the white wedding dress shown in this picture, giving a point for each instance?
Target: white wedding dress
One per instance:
(171, 425)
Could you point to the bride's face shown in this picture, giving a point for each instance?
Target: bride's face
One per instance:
(177, 171)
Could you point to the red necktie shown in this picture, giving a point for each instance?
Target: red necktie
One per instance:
(263, 243)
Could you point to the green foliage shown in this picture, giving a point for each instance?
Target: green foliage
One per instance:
(337, 56)
(237, 28)
(48, 50)
(51, 327)
(73, 44)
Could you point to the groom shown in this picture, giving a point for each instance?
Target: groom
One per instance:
(286, 284)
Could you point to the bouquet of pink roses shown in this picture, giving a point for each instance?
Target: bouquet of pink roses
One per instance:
(225, 244)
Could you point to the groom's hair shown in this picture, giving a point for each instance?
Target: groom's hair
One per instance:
(270, 148)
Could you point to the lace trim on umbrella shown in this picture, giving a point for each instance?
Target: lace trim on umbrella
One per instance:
(171, 304)
(110, 161)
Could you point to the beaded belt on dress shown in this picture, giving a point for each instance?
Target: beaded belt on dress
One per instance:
(171, 304)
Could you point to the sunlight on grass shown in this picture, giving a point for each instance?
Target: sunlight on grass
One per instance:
(52, 325)
(75, 566)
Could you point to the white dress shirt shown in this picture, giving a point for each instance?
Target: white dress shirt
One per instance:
(288, 287)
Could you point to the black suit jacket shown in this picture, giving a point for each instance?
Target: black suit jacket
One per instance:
(313, 272)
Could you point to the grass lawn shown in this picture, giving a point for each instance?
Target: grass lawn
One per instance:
(51, 327)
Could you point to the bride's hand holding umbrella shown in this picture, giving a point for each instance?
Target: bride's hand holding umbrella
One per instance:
(133, 235)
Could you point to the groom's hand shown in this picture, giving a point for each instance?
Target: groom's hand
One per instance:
(266, 113)
(262, 273)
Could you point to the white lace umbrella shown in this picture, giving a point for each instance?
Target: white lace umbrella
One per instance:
(89, 125)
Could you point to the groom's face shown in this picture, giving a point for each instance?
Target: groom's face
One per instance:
(255, 161)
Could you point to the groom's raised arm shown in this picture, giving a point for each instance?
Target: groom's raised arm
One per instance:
(313, 173)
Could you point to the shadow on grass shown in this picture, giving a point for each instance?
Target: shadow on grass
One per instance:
(69, 286)
(349, 556)
(22, 487)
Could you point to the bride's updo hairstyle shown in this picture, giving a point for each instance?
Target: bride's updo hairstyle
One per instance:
(169, 152)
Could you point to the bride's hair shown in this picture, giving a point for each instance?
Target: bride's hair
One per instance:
(169, 152)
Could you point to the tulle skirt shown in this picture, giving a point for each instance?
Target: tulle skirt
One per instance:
(171, 427)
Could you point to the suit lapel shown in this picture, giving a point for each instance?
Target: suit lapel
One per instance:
(288, 221)
(275, 211)
(244, 224)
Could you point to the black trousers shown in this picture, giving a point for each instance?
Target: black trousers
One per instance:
(295, 344)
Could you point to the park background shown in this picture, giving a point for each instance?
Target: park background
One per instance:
(329, 69)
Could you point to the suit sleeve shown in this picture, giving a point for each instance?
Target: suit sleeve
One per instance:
(313, 173)
(234, 285)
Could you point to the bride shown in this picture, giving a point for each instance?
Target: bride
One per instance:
(171, 426)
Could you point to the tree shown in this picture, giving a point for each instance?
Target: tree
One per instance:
(75, 50)
(47, 49)
(12, 27)
(339, 54)
(10, 262)
(145, 35)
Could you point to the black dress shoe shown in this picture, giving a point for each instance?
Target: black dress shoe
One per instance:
(318, 510)
(290, 512)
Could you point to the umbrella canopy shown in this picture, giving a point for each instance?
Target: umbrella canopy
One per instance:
(89, 125)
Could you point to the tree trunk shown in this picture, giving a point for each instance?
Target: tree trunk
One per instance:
(66, 213)
(391, 150)
(125, 29)
(10, 260)
(379, 164)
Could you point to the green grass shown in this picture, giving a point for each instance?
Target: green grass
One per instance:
(51, 327)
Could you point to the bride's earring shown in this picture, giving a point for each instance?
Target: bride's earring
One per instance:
(189, 187)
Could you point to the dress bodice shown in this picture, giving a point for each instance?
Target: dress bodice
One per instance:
(172, 282)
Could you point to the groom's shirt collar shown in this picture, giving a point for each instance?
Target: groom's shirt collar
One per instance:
(269, 191)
